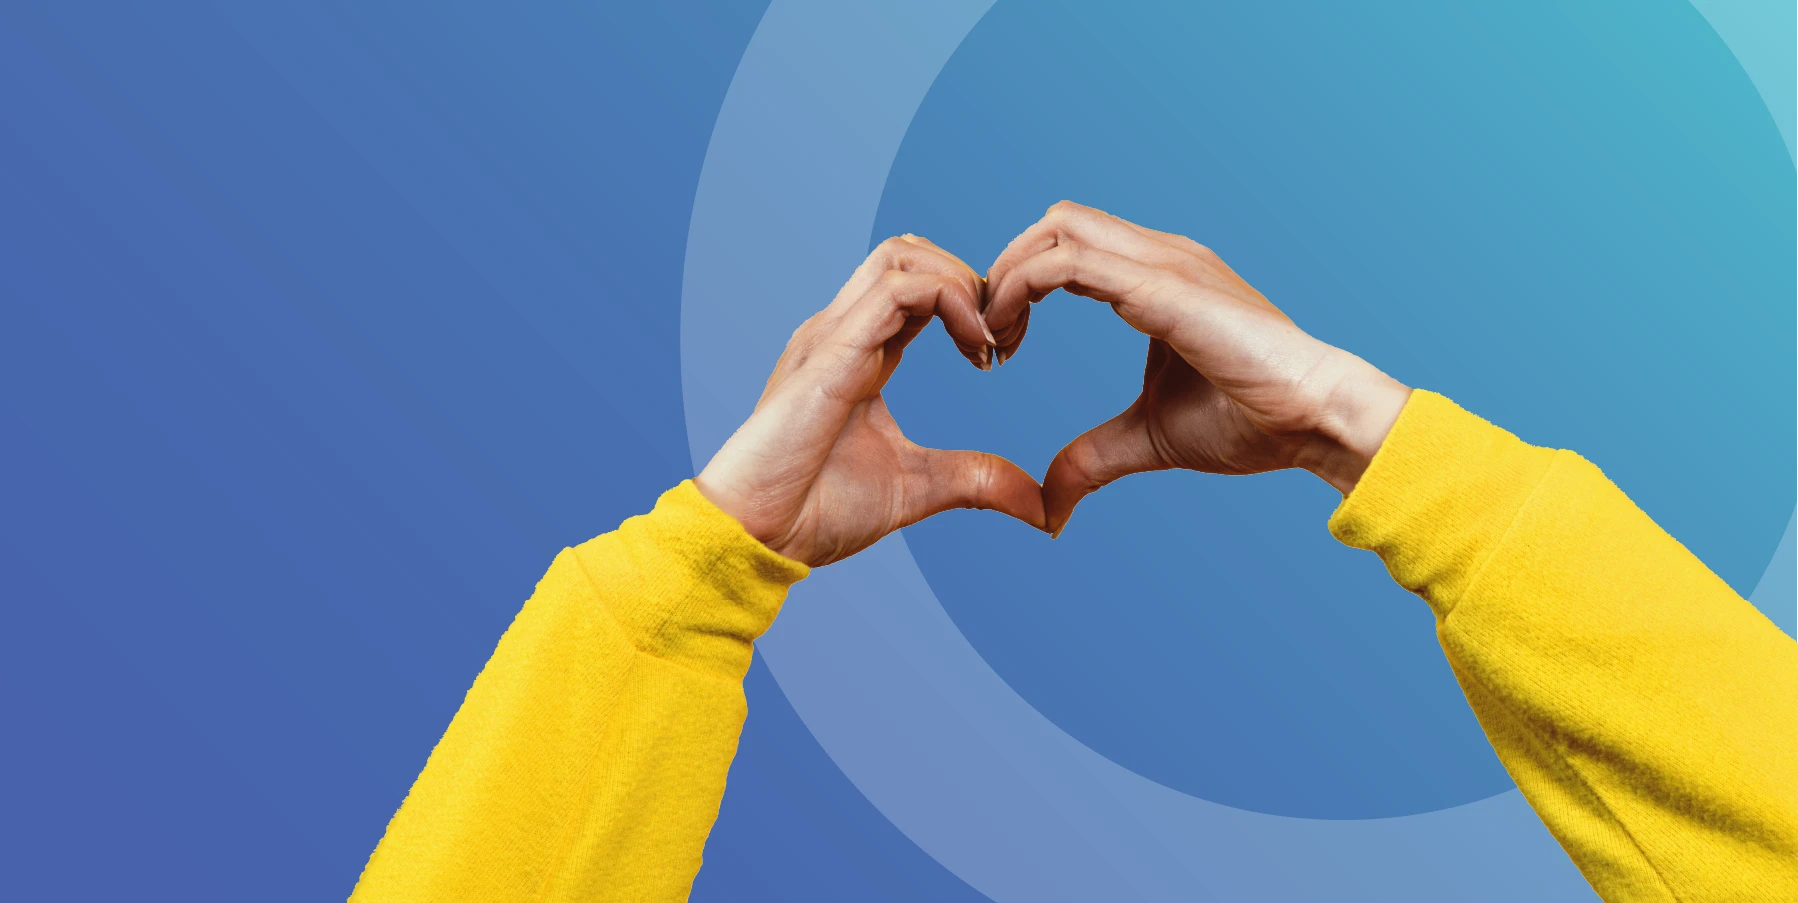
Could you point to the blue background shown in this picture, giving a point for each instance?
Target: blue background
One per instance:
(1575, 220)
(324, 327)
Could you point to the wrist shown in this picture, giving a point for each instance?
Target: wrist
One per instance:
(771, 528)
(1356, 414)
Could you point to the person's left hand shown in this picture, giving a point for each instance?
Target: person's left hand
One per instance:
(820, 471)
(1232, 385)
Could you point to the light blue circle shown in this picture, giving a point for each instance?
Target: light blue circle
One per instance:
(894, 693)
(1205, 631)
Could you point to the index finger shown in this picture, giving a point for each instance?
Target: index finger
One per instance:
(1064, 223)
(882, 314)
(916, 254)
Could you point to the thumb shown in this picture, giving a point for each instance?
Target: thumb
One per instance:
(969, 479)
(1116, 448)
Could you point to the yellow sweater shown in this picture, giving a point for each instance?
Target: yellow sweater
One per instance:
(1648, 713)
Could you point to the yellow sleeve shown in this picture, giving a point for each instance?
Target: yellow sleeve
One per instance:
(589, 758)
(1648, 713)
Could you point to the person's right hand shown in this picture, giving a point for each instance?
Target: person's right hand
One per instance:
(820, 471)
(1232, 385)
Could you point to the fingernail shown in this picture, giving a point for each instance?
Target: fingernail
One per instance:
(987, 331)
(986, 359)
(999, 356)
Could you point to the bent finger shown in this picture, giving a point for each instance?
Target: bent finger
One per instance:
(907, 254)
(1116, 448)
(1130, 286)
(899, 297)
(1011, 338)
(916, 254)
(1068, 222)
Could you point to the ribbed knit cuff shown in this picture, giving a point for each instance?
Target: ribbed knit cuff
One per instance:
(694, 586)
(1439, 497)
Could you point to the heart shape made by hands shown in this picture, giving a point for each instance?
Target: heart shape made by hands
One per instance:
(1231, 385)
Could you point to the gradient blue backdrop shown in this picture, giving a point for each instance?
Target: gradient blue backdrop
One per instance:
(1575, 220)
(323, 327)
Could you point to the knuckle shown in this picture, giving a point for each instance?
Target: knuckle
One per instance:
(976, 483)
(806, 328)
(1076, 256)
(1088, 466)
(984, 476)
(1076, 460)
(1070, 214)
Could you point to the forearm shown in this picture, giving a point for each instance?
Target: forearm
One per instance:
(1643, 707)
(589, 758)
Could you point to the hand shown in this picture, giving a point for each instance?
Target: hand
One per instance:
(820, 471)
(1232, 384)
